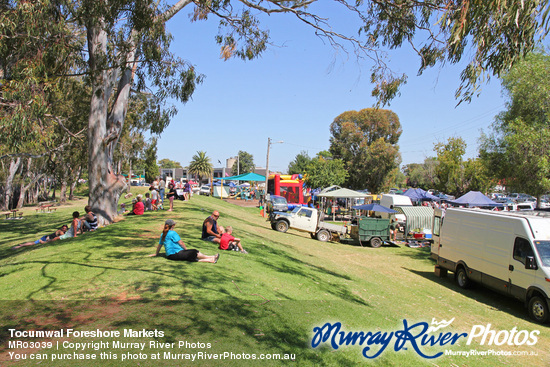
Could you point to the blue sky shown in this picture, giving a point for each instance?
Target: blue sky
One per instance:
(295, 90)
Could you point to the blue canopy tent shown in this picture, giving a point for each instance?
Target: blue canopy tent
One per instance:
(374, 208)
(475, 198)
(245, 177)
(251, 176)
(419, 195)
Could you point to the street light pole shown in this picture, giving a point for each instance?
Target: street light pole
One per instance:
(267, 161)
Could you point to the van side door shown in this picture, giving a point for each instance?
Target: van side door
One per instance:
(436, 233)
(520, 278)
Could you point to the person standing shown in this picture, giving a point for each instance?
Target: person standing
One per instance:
(187, 190)
(171, 196)
(162, 187)
(154, 197)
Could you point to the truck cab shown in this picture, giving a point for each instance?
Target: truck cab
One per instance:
(306, 219)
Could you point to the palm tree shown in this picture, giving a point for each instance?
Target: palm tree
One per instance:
(200, 165)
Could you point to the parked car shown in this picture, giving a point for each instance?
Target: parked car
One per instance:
(526, 205)
(276, 203)
(205, 190)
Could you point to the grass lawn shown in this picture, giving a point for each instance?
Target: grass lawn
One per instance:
(267, 301)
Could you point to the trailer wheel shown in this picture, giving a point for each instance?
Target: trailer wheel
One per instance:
(281, 225)
(538, 309)
(462, 278)
(323, 235)
(375, 242)
(312, 235)
(274, 226)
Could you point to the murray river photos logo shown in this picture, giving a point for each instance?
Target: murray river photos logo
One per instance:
(420, 337)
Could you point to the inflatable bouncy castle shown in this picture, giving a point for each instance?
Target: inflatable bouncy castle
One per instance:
(290, 187)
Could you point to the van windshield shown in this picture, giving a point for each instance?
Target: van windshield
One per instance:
(543, 248)
(278, 200)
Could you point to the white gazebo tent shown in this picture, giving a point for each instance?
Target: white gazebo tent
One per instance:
(343, 193)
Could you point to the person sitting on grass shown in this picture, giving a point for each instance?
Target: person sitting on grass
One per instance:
(89, 221)
(228, 242)
(138, 207)
(75, 227)
(176, 249)
(210, 231)
(148, 202)
(44, 239)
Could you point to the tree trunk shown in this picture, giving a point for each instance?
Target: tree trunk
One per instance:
(25, 188)
(14, 167)
(35, 192)
(104, 129)
(74, 182)
(63, 191)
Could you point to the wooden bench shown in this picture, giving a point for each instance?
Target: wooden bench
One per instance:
(43, 208)
(12, 214)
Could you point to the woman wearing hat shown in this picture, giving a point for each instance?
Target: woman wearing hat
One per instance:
(175, 248)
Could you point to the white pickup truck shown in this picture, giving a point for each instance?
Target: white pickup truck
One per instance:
(307, 220)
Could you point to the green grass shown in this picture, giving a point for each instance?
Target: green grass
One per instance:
(267, 301)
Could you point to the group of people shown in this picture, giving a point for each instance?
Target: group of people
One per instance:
(88, 222)
(176, 250)
(154, 199)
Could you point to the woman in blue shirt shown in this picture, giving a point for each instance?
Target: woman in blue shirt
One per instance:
(175, 248)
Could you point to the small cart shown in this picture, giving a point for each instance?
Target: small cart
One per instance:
(371, 231)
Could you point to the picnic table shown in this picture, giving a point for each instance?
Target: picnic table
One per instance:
(13, 213)
(45, 208)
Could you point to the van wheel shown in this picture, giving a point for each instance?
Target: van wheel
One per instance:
(462, 278)
(538, 309)
(281, 226)
(323, 235)
(375, 242)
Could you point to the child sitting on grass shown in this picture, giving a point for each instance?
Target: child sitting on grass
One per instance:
(228, 242)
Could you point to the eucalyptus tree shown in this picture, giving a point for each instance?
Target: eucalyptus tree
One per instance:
(518, 150)
(127, 51)
(366, 141)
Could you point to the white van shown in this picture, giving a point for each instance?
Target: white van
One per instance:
(391, 201)
(506, 251)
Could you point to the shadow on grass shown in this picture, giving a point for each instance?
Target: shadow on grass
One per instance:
(480, 294)
(228, 326)
(420, 253)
